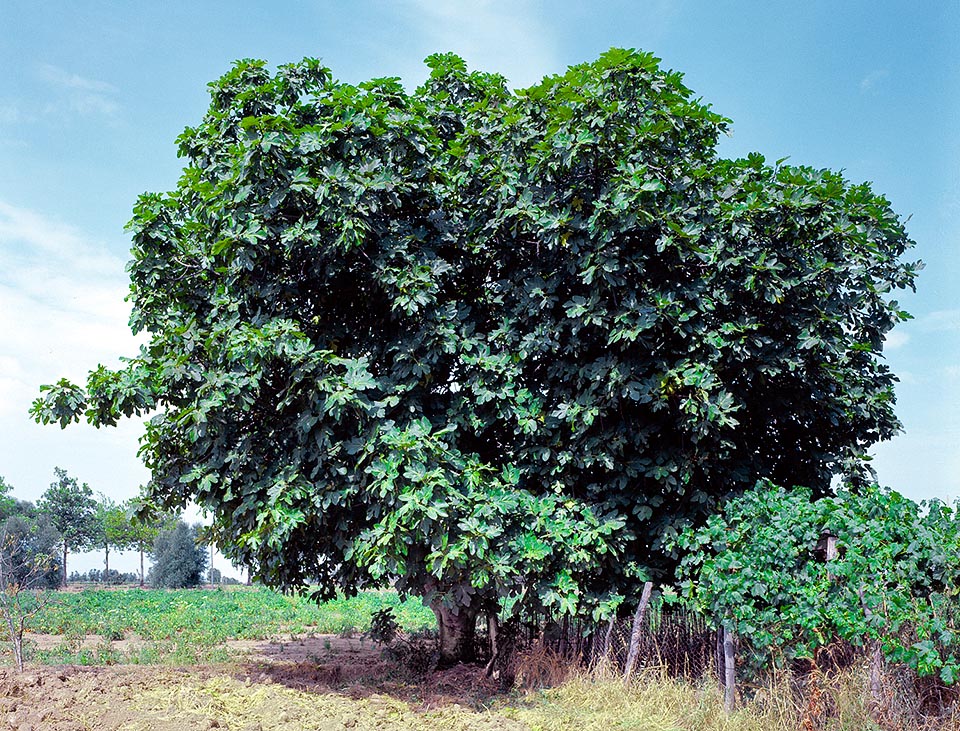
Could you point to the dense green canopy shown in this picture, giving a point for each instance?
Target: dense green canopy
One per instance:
(492, 343)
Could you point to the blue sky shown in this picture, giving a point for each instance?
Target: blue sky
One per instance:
(94, 94)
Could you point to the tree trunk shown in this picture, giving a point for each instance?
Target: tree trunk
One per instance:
(106, 563)
(493, 628)
(64, 565)
(457, 631)
(142, 582)
(635, 635)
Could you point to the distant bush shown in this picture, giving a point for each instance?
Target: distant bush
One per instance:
(179, 562)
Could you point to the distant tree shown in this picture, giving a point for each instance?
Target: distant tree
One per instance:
(112, 529)
(72, 511)
(28, 543)
(11, 506)
(179, 561)
(144, 523)
(7, 502)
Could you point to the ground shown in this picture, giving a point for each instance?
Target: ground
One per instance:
(304, 683)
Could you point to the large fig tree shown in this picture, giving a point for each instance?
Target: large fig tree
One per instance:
(488, 343)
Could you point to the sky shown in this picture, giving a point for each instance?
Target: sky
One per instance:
(94, 95)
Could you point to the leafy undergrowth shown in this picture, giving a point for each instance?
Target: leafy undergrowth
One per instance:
(194, 625)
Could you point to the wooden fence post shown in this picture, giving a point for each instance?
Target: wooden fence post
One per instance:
(729, 670)
(876, 659)
(638, 618)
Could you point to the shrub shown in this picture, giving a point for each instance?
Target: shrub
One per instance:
(756, 568)
(179, 562)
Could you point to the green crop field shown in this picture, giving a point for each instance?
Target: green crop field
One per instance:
(191, 625)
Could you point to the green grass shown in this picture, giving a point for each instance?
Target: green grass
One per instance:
(193, 625)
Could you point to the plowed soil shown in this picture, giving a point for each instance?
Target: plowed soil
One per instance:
(314, 683)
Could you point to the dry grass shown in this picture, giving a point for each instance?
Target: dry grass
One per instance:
(654, 701)
(297, 696)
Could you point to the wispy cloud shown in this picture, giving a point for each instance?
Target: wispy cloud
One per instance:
(10, 113)
(61, 306)
(896, 339)
(79, 94)
(67, 80)
(870, 82)
(492, 35)
(61, 313)
(939, 321)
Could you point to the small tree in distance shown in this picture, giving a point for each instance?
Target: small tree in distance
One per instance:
(27, 572)
(112, 530)
(144, 523)
(179, 560)
(72, 511)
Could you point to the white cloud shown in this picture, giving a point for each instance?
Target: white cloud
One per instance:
(870, 82)
(65, 79)
(939, 321)
(61, 313)
(896, 339)
(10, 113)
(491, 35)
(81, 95)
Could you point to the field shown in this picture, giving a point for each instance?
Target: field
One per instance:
(96, 627)
(252, 660)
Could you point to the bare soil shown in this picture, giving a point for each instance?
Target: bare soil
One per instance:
(307, 683)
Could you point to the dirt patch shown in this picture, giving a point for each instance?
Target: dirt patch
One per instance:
(350, 687)
(297, 648)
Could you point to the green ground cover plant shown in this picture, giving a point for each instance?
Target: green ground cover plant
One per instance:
(193, 625)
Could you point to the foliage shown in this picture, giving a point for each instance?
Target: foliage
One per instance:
(144, 523)
(30, 539)
(111, 529)
(384, 626)
(30, 551)
(895, 581)
(492, 344)
(179, 561)
(28, 568)
(7, 502)
(72, 511)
